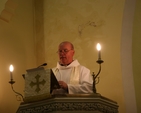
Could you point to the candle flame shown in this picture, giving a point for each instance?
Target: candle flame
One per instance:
(11, 68)
(98, 47)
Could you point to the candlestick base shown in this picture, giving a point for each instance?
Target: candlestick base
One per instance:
(11, 82)
(99, 61)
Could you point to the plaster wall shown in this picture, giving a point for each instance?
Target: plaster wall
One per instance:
(17, 48)
(86, 23)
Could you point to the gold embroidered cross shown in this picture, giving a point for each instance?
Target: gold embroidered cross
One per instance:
(37, 83)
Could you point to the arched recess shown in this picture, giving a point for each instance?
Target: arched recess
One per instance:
(7, 10)
(126, 56)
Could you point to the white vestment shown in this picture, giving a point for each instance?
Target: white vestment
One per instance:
(77, 77)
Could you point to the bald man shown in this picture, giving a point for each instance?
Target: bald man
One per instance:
(72, 77)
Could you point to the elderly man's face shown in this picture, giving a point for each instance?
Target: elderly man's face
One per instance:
(65, 53)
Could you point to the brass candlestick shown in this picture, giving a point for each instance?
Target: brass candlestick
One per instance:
(18, 94)
(95, 76)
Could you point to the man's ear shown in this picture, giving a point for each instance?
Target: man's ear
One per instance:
(73, 52)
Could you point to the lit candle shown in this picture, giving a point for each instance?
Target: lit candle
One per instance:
(99, 52)
(11, 68)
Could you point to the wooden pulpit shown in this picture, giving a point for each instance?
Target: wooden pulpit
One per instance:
(38, 97)
(70, 103)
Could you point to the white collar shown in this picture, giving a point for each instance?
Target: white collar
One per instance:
(73, 64)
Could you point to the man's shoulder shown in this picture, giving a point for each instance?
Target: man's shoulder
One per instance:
(84, 68)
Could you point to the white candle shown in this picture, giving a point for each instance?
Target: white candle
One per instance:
(99, 52)
(11, 68)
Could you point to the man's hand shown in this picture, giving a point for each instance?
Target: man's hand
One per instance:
(63, 85)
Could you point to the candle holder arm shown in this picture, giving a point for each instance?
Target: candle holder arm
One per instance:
(18, 94)
(96, 76)
(98, 72)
